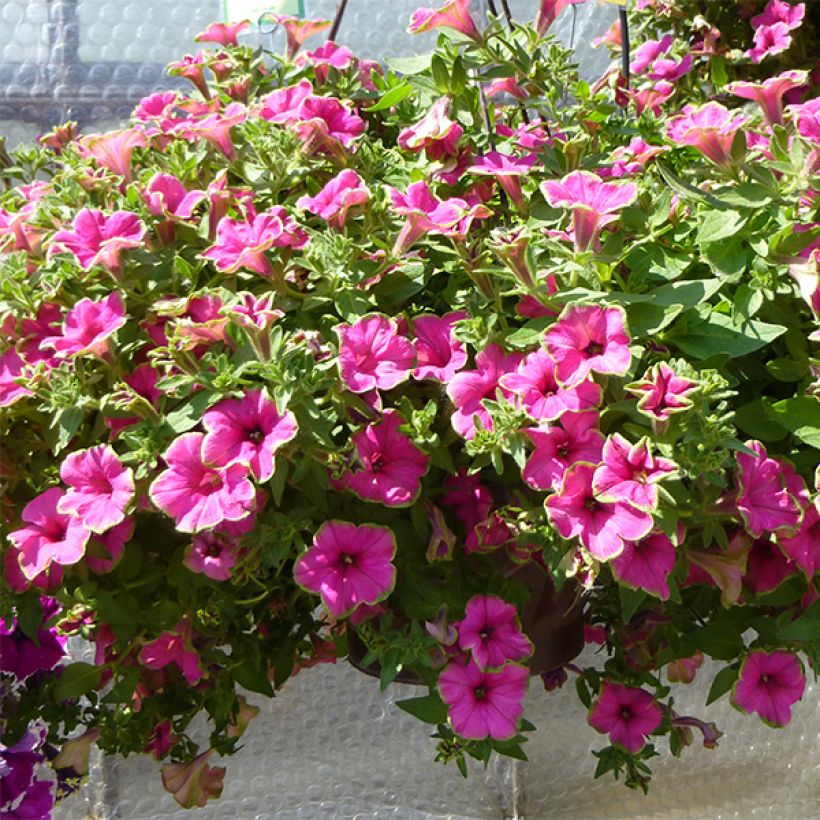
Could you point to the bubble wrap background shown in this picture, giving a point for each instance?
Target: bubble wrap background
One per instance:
(331, 745)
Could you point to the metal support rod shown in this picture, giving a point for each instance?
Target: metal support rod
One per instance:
(337, 20)
(624, 44)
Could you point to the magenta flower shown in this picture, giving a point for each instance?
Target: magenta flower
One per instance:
(539, 392)
(435, 134)
(650, 97)
(438, 353)
(103, 552)
(548, 11)
(804, 546)
(224, 34)
(723, 569)
(326, 125)
(507, 171)
(332, 203)
(649, 51)
(557, 448)
(669, 70)
(602, 527)
(11, 369)
(297, 31)
(166, 196)
(389, 465)
(588, 339)
(88, 327)
(196, 495)
(630, 473)
(243, 244)
(780, 11)
(768, 684)
(594, 203)
(628, 715)
(348, 565)
(769, 94)
(767, 567)
(113, 150)
(769, 40)
(174, 646)
(97, 239)
(807, 119)
(710, 129)
(491, 632)
(210, 555)
(246, 431)
(281, 105)
(254, 313)
(216, 128)
(646, 564)
(468, 389)
(764, 499)
(49, 536)
(327, 56)
(662, 392)
(454, 15)
(484, 704)
(372, 354)
(101, 488)
(156, 107)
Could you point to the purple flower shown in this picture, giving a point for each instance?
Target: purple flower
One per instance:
(491, 632)
(768, 684)
(389, 465)
(628, 715)
(483, 704)
(21, 656)
(348, 565)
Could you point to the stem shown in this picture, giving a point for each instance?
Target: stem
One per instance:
(337, 20)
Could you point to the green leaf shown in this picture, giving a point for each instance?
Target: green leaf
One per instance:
(656, 262)
(77, 679)
(67, 423)
(723, 682)
(646, 320)
(410, 65)
(800, 416)
(752, 418)
(718, 640)
(746, 195)
(393, 97)
(631, 599)
(684, 189)
(717, 334)
(189, 414)
(788, 370)
(390, 667)
(429, 709)
(804, 629)
(509, 748)
(727, 257)
(441, 76)
(688, 294)
(717, 225)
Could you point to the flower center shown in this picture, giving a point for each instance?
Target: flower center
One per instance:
(348, 559)
(594, 349)
(626, 712)
(485, 633)
(377, 461)
(480, 693)
(210, 483)
(213, 549)
(764, 678)
(592, 504)
(256, 435)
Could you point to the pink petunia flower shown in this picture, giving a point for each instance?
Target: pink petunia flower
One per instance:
(348, 565)
(630, 473)
(602, 527)
(97, 239)
(224, 34)
(435, 134)
(193, 782)
(156, 107)
(326, 125)
(281, 105)
(627, 714)
(780, 11)
(255, 313)
(683, 670)
(438, 353)
(711, 129)
(103, 552)
(246, 431)
(646, 564)
(557, 448)
(539, 392)
(469, 388)
(215, 128)
(764, 500)
(768, 41)
(328, 55)
(669, 70)
(804, 546)
(242, 244)
(49, 537)
(767, 567)
(11, 369)
(88, 327)
(588, 339)
(484, 704)
(197, 495)
(372, 354)
(333, 202)
(649, 51)
(507, 171)
(662, 392)
(210, 555)
(114, 149)
(721, 568)
(548, 11)
(769, 93)
(650, 97)
(101, 487)
(389, 465)
(807, 119)
(166, 196)
(594, 203)
(491, 632)
(768, 684)
(297, 31)
(454, 15)
(470, 499)
(174, 646)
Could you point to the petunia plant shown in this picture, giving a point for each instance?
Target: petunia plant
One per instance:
(446, 366)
